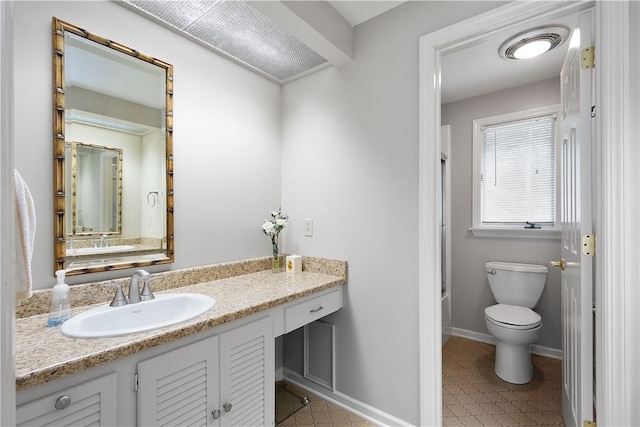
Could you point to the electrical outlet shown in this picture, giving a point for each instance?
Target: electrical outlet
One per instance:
(308, 227)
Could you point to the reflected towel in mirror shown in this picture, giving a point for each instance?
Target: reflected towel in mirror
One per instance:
(25, 236)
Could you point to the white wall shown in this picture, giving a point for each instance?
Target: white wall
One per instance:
(226, 139)
(469, 285)
(153, 206)
(350, 162)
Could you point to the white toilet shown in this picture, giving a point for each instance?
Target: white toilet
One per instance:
(517, 289)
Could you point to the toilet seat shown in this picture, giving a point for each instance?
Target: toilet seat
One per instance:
(512, 316)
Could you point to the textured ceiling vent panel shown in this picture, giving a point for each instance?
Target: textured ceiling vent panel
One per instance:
(239, 31)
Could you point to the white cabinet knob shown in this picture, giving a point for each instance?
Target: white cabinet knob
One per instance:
(63, 402)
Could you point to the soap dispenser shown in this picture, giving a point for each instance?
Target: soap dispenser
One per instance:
(60, 302)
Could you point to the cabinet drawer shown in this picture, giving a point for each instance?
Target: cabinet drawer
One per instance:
(91, 403)
(312, 309)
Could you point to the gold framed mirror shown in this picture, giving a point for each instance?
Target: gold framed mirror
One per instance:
(94, 177)
(112, 153)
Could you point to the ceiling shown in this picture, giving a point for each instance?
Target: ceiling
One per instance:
(357, 12)
(470, 71)
(477, 69)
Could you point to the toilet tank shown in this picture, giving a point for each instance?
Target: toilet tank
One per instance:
(515, 283)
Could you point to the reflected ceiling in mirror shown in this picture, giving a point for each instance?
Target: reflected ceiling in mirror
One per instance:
(113, 193)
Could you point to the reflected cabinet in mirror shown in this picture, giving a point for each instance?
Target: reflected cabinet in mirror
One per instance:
(113, 154)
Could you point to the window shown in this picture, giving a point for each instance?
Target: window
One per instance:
(515, 170)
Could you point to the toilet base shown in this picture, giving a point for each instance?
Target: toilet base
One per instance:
(513, 362)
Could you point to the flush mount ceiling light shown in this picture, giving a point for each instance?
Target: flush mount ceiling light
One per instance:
(533, 42)
(236, 30)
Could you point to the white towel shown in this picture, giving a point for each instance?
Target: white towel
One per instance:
(25, 236)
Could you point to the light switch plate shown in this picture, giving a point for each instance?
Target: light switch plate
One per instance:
(308, 227)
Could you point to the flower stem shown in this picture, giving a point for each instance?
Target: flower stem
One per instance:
(274, 246)
(276, 259)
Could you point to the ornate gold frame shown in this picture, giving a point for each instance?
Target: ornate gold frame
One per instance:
(59, 191)
(74, 188)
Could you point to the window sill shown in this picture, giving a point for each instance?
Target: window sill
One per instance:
(517, 233)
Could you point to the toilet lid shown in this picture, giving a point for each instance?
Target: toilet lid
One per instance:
(515, 315)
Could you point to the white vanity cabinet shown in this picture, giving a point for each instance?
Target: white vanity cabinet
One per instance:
(224, 380)
(247, 375)
(91, 403)
(312, 308)
(179, 387)
(222, 376)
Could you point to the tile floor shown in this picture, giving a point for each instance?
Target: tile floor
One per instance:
(472, 394)
(318, 413)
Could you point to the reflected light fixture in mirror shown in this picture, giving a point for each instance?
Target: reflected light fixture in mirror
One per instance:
(533, 42)
(100, 101)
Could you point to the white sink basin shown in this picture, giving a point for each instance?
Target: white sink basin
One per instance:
(164, 310)
(106, 249)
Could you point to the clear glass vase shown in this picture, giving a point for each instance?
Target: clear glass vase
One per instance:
(275, 266)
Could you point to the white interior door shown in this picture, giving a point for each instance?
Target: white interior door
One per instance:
(577, 221)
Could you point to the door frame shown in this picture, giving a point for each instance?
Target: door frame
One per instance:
(615, 263)
(7, 213)
(617, 297)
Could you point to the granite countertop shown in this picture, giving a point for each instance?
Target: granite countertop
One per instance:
(236, 297)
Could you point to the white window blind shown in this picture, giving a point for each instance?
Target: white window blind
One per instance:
(518, 172)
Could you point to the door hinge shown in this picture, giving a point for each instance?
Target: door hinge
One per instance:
(588, 55)
(587, 423)
(589, 245)
(135, 382)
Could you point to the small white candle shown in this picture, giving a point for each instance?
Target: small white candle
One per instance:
(294, 264)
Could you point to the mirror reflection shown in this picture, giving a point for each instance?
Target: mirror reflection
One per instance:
(94, 177)
(112, 154)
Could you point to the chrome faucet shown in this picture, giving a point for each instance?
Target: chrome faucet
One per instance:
(103, 241)
(135, 295)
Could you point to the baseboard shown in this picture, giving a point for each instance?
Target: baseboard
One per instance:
(279, 374)
(539, 350)
(473, 335)
(361, 409)
(552, 353)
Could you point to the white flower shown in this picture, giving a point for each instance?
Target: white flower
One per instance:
(268, 227)
(273, 227)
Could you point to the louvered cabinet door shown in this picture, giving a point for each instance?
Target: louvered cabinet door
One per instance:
(247, 378)
(180, 387)
(93, 403)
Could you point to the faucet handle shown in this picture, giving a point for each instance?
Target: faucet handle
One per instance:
(118, 299)
(146, 294)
